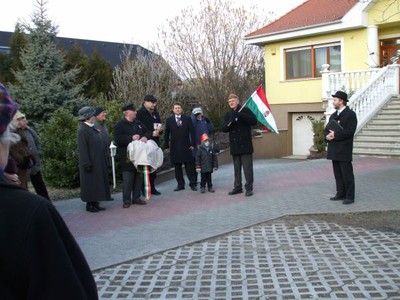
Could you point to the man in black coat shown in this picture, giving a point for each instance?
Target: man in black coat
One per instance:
(150, 117)
(339, 134)
(238, 122)
(180, 129)
(125, 131)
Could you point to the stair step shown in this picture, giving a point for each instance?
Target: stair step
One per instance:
(382, 127)
(378, 146)
(376, 139)
(378, 121)
(369, 152)
(392, 106)
(372, 132)
(389, 112)
(386, 117)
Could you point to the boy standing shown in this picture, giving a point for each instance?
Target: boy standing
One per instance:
(206, 161)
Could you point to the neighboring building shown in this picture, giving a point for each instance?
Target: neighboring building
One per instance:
(351, 39)
(109, 51)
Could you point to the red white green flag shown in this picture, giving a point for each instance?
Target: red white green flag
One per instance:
(258, 104)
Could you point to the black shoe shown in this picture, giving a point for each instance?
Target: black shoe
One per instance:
(202, 190)
(139, 202)
(211, 190)
(91, 208)
(155, 192)
(249, 193)
(194, 188)
(126, 205)
(335, 198)
(234, 192)
(348, 201)
(110, 199)
(98, 207)
(179, 188)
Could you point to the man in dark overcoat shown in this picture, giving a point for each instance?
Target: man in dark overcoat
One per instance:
(125, 131)
(92, 162)
(340, 147)
(150, 117)
(179, 137)
(238, 122)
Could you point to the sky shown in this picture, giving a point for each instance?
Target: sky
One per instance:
(123, 21)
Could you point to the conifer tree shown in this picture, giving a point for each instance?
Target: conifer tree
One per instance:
(42, 86)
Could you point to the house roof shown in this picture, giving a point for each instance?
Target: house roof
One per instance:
(109, 51)
(310, 13)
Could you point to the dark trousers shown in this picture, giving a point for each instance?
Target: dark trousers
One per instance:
(39, 186)
(245, 161)
(132, 182)
(152, 177)
(206, 179)
(344, 177)
(190, 173)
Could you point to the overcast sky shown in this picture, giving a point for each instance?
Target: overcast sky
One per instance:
(125, 21)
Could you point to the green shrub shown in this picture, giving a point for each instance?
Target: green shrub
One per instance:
(318, 127)
(60, 148)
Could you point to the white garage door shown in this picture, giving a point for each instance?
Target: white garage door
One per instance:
(302, 132)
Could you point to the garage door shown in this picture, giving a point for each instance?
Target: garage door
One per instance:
(302, 132)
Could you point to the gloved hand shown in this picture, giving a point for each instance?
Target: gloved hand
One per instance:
(236, 115)
(88, 169)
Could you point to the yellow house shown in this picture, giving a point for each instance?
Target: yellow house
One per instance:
(317, 48)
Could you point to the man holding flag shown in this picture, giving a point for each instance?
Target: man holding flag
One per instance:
(238, 122)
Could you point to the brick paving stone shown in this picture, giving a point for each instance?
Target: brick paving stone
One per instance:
(266, 262)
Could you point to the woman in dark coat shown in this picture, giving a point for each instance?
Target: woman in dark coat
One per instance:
(39, 257)
(92, 162)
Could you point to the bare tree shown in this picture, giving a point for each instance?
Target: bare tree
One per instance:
(145, 74)
(207, 50)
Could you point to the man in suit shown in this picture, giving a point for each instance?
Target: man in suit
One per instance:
(340, 147)
(150, 117)
(238, 121)
(179, 137)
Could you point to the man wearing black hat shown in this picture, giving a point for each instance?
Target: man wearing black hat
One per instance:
(150, 117)
(125, 131)
(339, 134)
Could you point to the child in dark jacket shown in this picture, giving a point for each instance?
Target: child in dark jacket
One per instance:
(206, 162)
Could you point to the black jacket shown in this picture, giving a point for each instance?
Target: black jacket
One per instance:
(123, 132)
(206, 161)
(149, 119)
(39, 257)
(238, 124)
(179, 139)
(341, 148)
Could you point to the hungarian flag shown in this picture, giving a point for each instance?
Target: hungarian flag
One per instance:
(258, 104)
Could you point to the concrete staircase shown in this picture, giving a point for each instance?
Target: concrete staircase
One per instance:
(381, 136)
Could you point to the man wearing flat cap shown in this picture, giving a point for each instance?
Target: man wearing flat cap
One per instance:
(339, 133)
(125, 131)
(150, 117)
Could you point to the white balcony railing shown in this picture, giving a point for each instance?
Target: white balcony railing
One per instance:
(369, 90)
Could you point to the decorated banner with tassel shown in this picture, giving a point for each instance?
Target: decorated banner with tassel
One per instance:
(146, 182)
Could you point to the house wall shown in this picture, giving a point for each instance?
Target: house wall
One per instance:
(281, 91)
(384, 12)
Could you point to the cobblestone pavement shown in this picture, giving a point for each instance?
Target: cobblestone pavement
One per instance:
(316, 260)
(190, 245)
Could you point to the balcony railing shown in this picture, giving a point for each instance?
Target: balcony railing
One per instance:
(369, 90)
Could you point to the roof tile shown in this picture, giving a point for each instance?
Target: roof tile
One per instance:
(309, 13)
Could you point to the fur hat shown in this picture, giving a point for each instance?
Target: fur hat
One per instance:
(197, 110)
(8, 108)
(98, 110)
